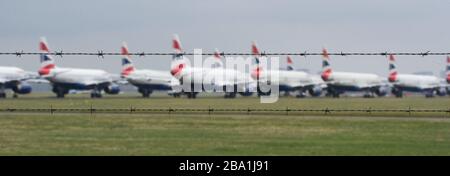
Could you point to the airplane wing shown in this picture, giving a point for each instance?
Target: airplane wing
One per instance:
(31, 75)
(93, 82)
(116, 78)
(38, 80)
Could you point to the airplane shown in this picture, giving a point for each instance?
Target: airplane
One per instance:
(427, 84)
(448, 75)
(145, 80)
(290, 80)
(65, 79)
(15, 79)
(340, 82)
(221, 78)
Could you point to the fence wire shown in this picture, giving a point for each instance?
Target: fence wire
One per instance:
(102, 54)
(245, 111)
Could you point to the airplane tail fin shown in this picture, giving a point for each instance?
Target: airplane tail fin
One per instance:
(289, 63)
(47, 61)
(176, 44)
(179, 62)
(217, 54)
(326, 67)
(218, 57)
(256, 72)
(448, 69)
(127, 64)
(392, 69)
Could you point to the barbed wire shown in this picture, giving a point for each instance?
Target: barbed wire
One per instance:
(102, 54)
(249, 111)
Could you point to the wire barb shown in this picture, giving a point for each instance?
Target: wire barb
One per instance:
(19, 54)
(102, 54)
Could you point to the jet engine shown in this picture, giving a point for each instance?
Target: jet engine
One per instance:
(315, 91)
(112, 89)
(22, 88)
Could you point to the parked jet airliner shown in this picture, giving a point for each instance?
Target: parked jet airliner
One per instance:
(145, 80)
(65, 79)
(218, 77)
(429, 85)
(340, 82)
(289, 80)
(13, 78)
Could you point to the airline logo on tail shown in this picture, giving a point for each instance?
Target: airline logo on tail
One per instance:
(127, 65)
(47, 63)
(326, 67)
(176, 44)
(217, 54)
(392, 69)
(218, 62)
(177, 66)
(448, 69)
(256, 73)
(289, 63)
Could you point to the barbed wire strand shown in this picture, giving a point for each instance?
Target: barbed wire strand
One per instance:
(100, 53)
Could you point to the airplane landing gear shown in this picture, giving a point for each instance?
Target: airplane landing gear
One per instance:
(301, 94)
(2, 92)
(96, 93)
(397, 92)
(146, 93)
(429, 94)
(192, 95)
(230, 94)
(333, 93)
(59, 91)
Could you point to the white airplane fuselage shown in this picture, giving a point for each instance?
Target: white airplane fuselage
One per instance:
(79, 79)
(416, 83)
(8, 74)
(152, 79)
(349, 81)
(289, 79)
(217, 77)
(11, 78)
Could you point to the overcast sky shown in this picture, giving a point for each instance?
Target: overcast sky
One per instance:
(230, 25)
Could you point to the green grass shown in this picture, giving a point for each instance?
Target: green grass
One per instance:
(221, 135)
(227, 134)
(165, 102)
(160, 101)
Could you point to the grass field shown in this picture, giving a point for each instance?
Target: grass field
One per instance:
(225, 134)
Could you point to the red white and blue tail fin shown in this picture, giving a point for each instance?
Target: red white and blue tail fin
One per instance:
(176, 44)
(256, 72)
(326, 67)
(217, 54)
(179, 63)
(218, 57)
(289, 63)
(392, 69)
(47, 62)
(448, 69)
(127, 64)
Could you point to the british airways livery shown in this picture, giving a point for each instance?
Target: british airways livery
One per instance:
(65, 79)
(340, 82)
(216, 76)
(145, 80)
(13, 78)
(429, 85)
(289, 80)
